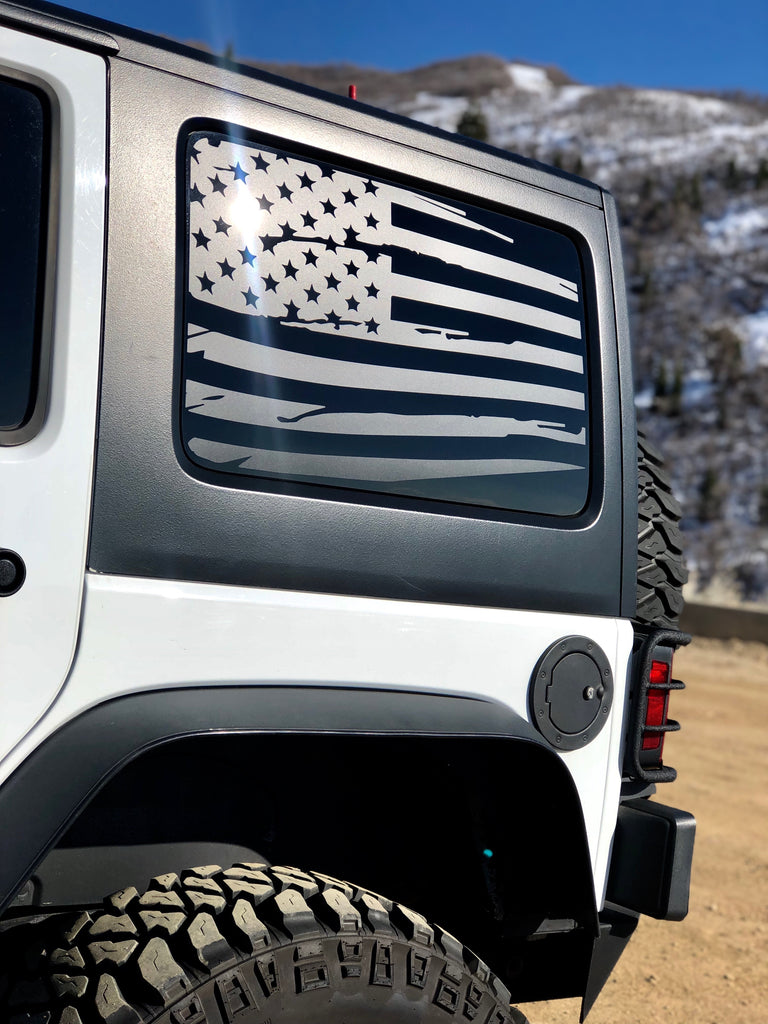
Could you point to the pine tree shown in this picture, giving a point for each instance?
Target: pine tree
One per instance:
(696, 202)
(676, 394)
(762, 506)
(647, 188)
(473, 124)
(660, 386)
(732, 176)
(710, 497)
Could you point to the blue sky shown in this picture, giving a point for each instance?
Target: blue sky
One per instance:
(694, 44)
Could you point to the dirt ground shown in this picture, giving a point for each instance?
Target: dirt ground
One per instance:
(713, 967)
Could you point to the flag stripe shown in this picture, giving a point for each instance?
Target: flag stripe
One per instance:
(352, 399)
(560, 370)
(390, 446)
(246, 407)
(432, 293)
(539, 245)
(321, 370)
(471, 276)
(369, 471)
(499, 360)
(485, 263)
(478, 325)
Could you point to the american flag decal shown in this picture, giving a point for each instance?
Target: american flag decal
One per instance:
(347, 331)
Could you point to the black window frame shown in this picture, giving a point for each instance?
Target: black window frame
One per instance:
(36, 374)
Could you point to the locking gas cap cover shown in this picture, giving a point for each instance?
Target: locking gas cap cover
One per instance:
(570, 692)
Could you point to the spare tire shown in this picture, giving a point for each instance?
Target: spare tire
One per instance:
(661, 570)
(244, 946)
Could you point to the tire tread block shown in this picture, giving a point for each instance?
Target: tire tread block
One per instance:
(110, 1004)
(210, 949)
(661, 569)
(253, 931)
(109, 951)
(163, 978)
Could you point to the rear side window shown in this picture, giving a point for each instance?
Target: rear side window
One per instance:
(346, 331)
(24, 130)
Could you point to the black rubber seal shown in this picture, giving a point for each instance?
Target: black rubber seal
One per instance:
(13, 572)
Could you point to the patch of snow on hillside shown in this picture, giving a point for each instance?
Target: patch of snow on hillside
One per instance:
(438, 111)
(530, 79)
(732, 231)
(570, 95)
(697, 388)
(644, 398)
(681, 104)
(754, 328)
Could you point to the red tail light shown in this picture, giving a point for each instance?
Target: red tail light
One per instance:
(657, 705)
(660, 673)
(656, 723)
(655, 714)
(651, 700)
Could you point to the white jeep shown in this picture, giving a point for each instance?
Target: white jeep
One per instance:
(320, 546)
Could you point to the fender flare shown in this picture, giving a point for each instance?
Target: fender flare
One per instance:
(55, 782)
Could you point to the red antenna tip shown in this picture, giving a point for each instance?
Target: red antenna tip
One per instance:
(353, 92)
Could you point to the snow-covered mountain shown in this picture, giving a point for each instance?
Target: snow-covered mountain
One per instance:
(690, 173)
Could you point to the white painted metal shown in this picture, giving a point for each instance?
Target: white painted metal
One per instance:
(140, 634)
(46, 483)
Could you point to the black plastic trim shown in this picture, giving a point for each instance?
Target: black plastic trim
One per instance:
(616, 929)
(67, 769)
(650, 869)
(80, 876)
(54, 22)
(13, 572)
(626, 400)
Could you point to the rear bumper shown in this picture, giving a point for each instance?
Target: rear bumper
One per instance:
(650, 869)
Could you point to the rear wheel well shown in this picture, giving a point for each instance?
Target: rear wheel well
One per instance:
(483, 835)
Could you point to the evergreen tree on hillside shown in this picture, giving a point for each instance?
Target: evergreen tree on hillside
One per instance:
(732, 176)
(473, 124)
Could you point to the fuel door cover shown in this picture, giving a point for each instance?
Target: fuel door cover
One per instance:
(571, 692)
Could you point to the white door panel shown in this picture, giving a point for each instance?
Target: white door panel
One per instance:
(45, 483)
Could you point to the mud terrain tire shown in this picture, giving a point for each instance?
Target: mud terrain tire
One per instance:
(248, 945)
(661, 570)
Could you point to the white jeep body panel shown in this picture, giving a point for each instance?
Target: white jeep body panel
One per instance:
(148, 634)
(46, 482)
